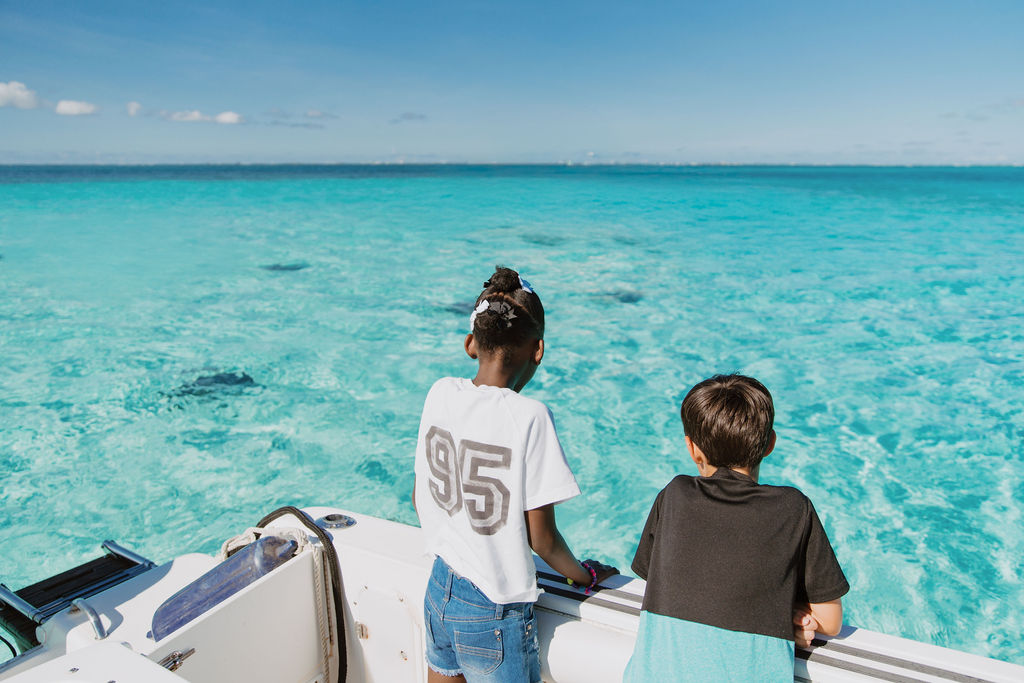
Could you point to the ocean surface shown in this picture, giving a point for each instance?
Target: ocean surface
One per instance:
(185, 349)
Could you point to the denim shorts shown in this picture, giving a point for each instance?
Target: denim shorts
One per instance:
(470, 635)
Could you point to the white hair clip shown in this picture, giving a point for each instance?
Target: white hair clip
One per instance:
(480, 308)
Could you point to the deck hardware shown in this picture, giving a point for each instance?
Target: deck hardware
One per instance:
(172, 661)
(335, 521)
(94, 617)
(14, 600)
(73, 670)
(405, 657)
(132, 556)
(362, 631)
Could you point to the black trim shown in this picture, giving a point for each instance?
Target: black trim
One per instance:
(593, 600)
(559, 579)
(916, 667)
(876, 674)
(807, 654)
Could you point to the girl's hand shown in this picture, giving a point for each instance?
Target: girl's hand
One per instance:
(604, 571)
(804, 626)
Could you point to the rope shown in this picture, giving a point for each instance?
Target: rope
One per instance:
(326, 636)
(335, 573)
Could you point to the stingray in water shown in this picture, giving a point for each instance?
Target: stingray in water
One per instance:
(285, 267)
(460, 307)
(623, 296)
(220, 383)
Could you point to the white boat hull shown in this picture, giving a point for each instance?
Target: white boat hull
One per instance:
(274, 631)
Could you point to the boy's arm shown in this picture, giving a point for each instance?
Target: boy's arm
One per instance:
(823, 579)
(546, 540)
(820, 617)
(828, 615)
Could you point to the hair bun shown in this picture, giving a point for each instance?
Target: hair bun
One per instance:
(503, 280)
(507, 312)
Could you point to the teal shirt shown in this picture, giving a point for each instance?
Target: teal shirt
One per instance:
(669, 649)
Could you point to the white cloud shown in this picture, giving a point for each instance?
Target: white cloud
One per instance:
(228, 117)
(134, 108)
(75, 108)
(194, 115)
(17, 95)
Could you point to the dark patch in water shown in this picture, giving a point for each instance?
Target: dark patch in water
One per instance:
(205, 440)
(62, 408)
(543, 239)
(220, 383)
(889, 441)
(958, 287)
(285, 267)
(623, 296)
(373, 469)
(460, 307)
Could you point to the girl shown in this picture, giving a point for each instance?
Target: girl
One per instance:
(489, 472)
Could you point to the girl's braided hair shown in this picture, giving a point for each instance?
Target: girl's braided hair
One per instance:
(507, 313)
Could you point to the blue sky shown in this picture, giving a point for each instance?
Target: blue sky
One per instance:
(733, 81)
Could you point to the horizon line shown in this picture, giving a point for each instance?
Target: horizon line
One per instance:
(546, 164)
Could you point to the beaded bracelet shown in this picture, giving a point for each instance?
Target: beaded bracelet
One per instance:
(593, 578)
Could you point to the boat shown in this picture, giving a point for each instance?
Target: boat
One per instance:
(325, 595)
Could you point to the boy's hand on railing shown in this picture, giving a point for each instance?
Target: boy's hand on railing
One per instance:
(604, 571)
(804, 626)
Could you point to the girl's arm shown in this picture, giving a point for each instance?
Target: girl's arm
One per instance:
(546, 540)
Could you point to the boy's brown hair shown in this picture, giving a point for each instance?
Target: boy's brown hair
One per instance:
(729, 417)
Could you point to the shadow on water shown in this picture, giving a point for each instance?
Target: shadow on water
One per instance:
(285, 267)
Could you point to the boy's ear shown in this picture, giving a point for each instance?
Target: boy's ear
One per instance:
(470, 345)
(771, 445)
(695, 455)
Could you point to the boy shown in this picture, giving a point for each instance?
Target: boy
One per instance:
(729, 561)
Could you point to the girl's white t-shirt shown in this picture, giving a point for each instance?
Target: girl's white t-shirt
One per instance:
(484, 456)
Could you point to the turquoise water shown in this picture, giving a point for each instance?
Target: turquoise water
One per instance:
(882, 307)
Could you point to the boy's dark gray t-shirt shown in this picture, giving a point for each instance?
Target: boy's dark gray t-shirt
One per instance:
(731, 553)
